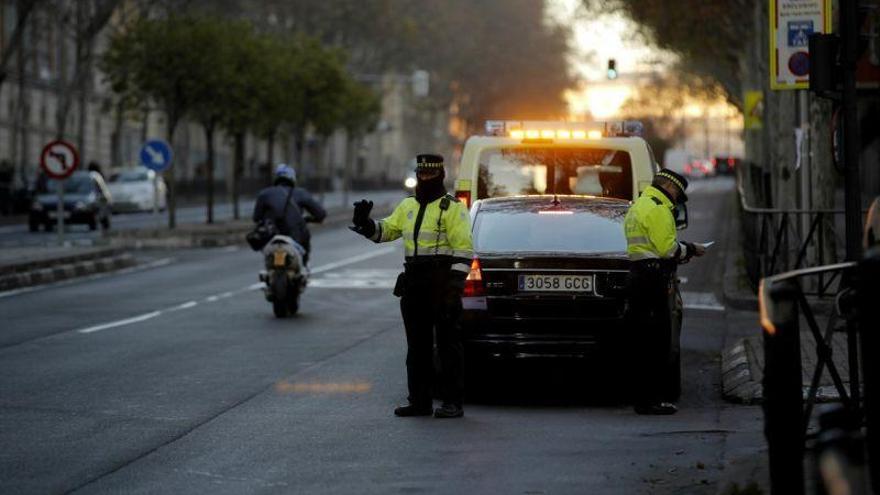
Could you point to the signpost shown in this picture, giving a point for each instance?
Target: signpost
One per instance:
(791, 24)
(156, 155)
(58, 160)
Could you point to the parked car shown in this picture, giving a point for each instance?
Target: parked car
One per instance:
(87, 200)
(550, 280)
(133, 190)
(726, 165)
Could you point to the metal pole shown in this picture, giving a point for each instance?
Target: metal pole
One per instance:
(851, 139)
(156, 199)
(868, 294)
(783, 392)
(804, 151)
(60, 208)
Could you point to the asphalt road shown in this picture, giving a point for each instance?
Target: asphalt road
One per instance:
(176, 378)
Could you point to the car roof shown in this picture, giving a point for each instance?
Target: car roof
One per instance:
(530, 202)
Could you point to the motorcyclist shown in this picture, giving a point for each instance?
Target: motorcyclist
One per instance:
(270, 206)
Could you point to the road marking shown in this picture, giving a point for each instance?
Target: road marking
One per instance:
(224, 295)
(119, 323)
(701, 300)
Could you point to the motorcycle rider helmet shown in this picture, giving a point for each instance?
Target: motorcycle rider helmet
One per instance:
(285, 173)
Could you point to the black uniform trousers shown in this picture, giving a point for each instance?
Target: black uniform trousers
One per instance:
(431, 306)
(650, 285)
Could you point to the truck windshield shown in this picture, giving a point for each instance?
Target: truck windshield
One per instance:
(554, 170)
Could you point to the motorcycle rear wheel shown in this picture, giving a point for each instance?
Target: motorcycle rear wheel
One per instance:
(279, 295)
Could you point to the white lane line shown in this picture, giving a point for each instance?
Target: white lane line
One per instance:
(215, 297)
(186, 305)
(354, 259)
(132, 269)
(119, 323)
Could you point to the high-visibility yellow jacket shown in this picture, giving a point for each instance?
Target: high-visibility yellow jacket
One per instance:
(441, 228)
(650, 228)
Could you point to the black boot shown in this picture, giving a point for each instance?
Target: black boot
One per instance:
(449, 410)
(412, 410)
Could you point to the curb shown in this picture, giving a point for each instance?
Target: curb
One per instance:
(738, 384)
(734, 296)
(66, 271)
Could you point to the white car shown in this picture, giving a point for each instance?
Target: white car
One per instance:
(132, 190)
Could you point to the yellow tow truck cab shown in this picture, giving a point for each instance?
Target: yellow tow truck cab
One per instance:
(565, 158)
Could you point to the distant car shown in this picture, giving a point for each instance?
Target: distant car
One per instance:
(725, 165)
(87, 200)
(132, 190)
(698, 169)
(549, 280)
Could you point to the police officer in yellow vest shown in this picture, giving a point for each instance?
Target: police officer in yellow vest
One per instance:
(436, 233)
(655, 252)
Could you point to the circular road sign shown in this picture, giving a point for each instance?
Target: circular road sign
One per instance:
(156, 155)
(59, 159)
(799, 64)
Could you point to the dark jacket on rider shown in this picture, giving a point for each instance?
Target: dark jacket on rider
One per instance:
(270, 205)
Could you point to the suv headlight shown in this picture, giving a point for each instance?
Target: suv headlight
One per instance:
(79, 205)
(37, 206)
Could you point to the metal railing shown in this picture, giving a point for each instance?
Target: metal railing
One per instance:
(776, 240)
(849, 306)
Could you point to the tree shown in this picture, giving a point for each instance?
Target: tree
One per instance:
(151, 64)
(217, 82)
(361, 108)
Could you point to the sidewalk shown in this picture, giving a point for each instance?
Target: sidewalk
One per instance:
(742, 365)
(40, 264)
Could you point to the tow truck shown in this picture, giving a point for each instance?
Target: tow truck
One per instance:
(608, 159)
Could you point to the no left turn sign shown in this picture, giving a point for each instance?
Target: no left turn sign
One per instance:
(59, 159)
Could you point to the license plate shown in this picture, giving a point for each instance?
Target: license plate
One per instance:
(280, 258)
(556, 283)
(54, 214)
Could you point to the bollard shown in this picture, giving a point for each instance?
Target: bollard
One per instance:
(868, 293)
(783, 386)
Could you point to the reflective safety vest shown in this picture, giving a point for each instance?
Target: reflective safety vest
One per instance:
(650, 228)
(441, 228)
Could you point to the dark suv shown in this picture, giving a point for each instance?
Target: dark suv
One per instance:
(86, 201)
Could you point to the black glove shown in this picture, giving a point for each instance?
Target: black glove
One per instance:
(361, 219)
(361, 215)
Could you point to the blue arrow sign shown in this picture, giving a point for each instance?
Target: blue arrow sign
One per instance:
(156, 155)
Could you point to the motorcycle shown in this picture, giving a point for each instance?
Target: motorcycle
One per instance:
(285, 276)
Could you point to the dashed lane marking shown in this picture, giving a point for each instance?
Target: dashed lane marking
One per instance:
(228, 294)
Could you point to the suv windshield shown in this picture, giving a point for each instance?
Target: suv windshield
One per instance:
(76, 184)
(554, 170)
(579, 230)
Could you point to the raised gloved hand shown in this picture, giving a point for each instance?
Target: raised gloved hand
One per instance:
(361, 218)
(362, 212)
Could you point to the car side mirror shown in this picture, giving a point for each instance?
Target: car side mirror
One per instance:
(681, 216)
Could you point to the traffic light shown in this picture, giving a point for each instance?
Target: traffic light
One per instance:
(612, 68)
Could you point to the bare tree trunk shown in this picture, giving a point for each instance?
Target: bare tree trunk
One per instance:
(171, 183)
(237, 169)
(24, 8)
(270, 154)
(825, 177)
(209, 169)
(116, 135)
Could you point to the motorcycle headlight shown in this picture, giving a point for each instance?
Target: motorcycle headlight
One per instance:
(37, 206)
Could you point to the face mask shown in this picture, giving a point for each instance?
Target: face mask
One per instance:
(430, 190)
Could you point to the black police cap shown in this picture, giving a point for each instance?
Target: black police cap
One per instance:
(428, 161)
(680, 182)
